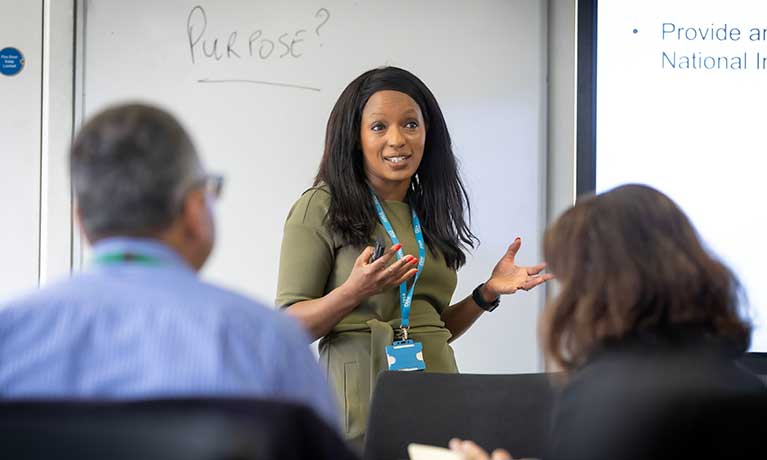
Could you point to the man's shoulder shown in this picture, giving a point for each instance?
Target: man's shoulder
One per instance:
(174, 291)
(53, 293)
(89, 299)
(249, 312)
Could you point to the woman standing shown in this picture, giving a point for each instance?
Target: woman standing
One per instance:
(388, 173)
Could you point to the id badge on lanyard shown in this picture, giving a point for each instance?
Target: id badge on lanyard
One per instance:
(405, 354)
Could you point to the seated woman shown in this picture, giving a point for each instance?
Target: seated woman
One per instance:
(646, 327)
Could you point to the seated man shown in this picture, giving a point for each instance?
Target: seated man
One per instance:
(138, 322)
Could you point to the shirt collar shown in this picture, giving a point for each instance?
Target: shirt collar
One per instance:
(148, 247)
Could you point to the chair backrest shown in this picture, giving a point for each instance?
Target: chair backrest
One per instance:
(508, 411)
(189, 429)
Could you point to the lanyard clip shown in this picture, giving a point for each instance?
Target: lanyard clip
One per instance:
(403, 332)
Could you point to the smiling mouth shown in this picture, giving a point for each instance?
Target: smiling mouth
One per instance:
(397, 159)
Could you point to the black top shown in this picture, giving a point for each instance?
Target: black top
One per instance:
(655, 396)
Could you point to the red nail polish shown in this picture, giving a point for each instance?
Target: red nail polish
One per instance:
(397, 246)
(414, 261)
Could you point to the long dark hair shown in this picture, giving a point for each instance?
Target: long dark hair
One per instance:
(436, 191)
(629, 262)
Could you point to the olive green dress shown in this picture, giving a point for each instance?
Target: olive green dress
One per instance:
(313, 262)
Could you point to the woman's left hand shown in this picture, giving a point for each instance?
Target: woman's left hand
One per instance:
(507, 276)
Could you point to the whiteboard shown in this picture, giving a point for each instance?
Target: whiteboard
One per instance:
(254, 83)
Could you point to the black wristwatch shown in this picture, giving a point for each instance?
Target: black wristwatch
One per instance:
(487, 306)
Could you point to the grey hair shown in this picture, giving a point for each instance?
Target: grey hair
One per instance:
(131, 167)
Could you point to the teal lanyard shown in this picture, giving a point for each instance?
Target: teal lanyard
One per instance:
(406, 297)
(112, 258)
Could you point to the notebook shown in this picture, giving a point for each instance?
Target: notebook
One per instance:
(424, 452)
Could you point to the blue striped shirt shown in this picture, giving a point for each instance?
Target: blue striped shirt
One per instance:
(138, 329)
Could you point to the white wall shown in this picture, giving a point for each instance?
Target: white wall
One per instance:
(508, 190)
(56, 229)
(36, 122)
(561, 114)
(20, 125)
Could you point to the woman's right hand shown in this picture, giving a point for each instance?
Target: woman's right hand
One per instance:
(321, 315)
(468, 450)
(371, 278)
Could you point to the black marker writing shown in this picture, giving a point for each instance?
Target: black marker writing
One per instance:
(289, 44)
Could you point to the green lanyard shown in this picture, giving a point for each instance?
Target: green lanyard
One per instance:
(112, 258)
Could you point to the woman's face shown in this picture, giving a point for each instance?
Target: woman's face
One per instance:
(392, 137)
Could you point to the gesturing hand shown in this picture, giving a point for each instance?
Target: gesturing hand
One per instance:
(507, 276)
(367, 279)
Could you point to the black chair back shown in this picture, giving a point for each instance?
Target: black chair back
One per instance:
(188, 429)
(508, 411)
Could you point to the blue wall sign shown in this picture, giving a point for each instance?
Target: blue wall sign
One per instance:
(11, 61)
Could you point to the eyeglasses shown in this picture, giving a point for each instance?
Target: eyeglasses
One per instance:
(213, 184)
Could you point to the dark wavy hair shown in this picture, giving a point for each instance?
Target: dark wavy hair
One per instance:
(436, 191)
(630, 264)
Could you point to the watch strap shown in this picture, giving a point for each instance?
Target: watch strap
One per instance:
(487, 306)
